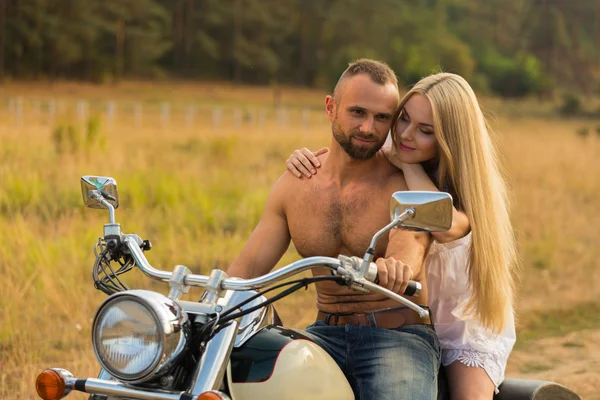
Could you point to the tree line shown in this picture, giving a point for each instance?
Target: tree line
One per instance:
(510, 48)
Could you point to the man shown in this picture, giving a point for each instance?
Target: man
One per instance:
(390, 354)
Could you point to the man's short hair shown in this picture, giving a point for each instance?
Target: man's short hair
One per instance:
(378, 71)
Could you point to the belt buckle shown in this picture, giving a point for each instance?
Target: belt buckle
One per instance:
(361, 319)
(364, 319)
(386, 323)
(332, 319)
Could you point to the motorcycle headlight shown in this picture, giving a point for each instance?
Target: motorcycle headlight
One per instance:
(137, 334)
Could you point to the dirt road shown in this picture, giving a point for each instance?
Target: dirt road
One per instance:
(573, 360)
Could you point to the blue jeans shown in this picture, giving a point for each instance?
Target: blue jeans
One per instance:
(383, 364)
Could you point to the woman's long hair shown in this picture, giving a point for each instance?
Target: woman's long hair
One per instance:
(468, 169)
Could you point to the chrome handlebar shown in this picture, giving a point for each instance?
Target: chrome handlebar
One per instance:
(347, 267)
(231, 283)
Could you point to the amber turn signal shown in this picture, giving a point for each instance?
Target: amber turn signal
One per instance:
(213, 395)
(50, 385)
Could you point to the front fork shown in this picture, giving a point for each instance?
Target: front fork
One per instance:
(212, 366)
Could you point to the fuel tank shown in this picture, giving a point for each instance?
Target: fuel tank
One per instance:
(282, 364)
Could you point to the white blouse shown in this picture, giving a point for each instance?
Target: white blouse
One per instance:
(462, 337)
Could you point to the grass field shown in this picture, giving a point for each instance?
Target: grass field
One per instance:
(197, 193)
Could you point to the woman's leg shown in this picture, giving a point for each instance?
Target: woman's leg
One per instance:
(468, 383)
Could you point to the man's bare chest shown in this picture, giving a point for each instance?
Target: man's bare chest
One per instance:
(329, 221)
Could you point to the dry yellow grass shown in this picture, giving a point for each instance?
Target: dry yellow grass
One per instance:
(203, 191)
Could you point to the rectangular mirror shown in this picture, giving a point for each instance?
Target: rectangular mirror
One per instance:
(433, 210)
(103, 185)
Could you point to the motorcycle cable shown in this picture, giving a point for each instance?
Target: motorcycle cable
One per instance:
(304, 283)
(110, 282)
(214, 324)
(228, 315)
(104, 283)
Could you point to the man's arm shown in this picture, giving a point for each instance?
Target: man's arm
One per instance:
(404, 253)
(269, 241)
(403, 260)
(408, 246)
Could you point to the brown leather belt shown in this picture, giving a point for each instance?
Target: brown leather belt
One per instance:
(391, 319)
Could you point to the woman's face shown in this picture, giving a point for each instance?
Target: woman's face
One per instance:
(415, 138)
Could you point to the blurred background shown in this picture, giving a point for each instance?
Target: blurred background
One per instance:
(508, 48)
(194, 105)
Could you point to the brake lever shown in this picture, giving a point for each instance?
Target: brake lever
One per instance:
(350, 270)
(379, 289)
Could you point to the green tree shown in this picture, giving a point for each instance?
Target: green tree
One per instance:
(514, 48)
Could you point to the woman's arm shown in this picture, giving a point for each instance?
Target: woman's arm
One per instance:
(304, 162)
(417, 179)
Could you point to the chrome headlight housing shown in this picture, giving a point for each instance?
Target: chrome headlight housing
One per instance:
(138, 333)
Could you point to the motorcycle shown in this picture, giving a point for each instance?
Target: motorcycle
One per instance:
(230, 344)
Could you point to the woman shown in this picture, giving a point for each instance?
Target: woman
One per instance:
(441, 142)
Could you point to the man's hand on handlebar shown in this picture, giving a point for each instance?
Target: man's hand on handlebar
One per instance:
(393, 274)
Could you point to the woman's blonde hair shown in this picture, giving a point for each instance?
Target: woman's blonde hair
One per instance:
(469, 170)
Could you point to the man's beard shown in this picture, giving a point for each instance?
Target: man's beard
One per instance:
(357, 152)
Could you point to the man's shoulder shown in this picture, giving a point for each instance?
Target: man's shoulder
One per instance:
(285, 187)
(285, 182)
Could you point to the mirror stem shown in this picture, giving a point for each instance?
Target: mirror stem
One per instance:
(407, 214)
(98, 195)
(111, 210)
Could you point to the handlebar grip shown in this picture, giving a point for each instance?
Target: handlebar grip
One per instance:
(413, 288)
